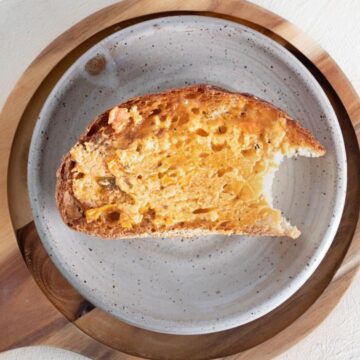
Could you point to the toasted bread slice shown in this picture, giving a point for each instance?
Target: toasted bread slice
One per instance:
(189, 161)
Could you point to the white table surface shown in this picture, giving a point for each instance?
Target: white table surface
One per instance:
(27, 26)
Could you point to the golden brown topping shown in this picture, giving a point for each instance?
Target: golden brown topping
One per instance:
(119, 119)
(199, 159)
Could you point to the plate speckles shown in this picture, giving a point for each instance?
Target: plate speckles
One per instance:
(208, 283)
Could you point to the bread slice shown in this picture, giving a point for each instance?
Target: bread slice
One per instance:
(189, 161)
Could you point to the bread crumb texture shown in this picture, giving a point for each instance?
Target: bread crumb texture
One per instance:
(194, 158)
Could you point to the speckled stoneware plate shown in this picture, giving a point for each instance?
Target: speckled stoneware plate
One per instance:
(208, 283)
(40, 352)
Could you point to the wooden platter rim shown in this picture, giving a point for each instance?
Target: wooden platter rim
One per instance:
(353, 104)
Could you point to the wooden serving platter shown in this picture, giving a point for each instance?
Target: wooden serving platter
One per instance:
(38, 306)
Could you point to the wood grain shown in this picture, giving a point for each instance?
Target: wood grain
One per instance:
(25, 310)
(52, 283)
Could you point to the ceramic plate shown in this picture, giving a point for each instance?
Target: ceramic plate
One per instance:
(209, 283)
(40, 352)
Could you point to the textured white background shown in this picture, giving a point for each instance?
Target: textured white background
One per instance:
(27, 26)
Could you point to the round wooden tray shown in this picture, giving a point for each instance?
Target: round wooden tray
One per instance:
(29, 315)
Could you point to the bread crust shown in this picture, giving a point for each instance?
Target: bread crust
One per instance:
(73, 212)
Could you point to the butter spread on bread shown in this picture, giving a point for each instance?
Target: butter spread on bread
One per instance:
(189, 161)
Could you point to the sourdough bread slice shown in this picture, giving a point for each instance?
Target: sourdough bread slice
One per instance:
(188, 161)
